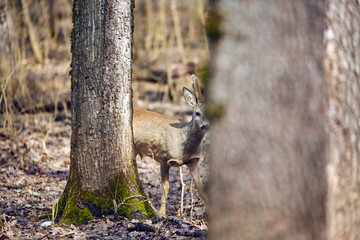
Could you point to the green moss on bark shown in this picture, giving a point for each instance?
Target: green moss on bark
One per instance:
(132, 203)
(214, 111)
(72, 214)
(71, 208)
(78, 208)
(213, 26)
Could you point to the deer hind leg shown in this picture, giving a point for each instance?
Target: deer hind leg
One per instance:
(164, 187)
(195, 173)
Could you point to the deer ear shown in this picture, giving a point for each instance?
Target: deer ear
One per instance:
(189, 97)
(196, 86)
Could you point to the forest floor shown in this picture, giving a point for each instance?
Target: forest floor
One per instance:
(34, 166)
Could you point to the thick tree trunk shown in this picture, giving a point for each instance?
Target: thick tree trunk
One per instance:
(267, 178)
(102, 156)
(342, 39)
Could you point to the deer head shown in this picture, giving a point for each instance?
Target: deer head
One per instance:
(196, 102)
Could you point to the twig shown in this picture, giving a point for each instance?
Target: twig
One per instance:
(54, 210)
(192, 200)
(8, 226)
(45, 134)
(182, 192)
(3, 97)
(123, 202)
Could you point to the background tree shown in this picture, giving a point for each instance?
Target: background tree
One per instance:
(34, 42)
(6, 39)
(267, 176)
(7, 64)
(102, 157)
(342, 66)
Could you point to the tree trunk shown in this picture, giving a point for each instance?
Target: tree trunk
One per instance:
(267, 176)
(7, 48)
(34, 41)
(54, 30)
(342, 66)
(177, 29)
(149, 25)
(102, 166)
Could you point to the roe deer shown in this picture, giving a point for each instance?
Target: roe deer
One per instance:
(172, 141)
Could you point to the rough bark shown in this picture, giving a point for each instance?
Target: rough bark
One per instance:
(267, 173)
(102, 157)
(342, 39)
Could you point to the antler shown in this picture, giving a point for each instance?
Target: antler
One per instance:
(196, 86)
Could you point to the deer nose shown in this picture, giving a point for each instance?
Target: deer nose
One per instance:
(205, 127)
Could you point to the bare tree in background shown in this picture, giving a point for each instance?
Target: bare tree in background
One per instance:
(54, 31)
(6, 38)
(267, 177)
(342, 66)
(34, 41)
(7, 60)
(7, 49)
(103, 175)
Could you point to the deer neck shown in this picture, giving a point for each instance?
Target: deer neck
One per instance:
(193, 139)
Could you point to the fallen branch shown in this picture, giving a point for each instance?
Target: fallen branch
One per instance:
(123, 202)
(140, 227)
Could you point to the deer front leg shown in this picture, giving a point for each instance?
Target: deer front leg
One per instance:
(164, 168)
(195, 173)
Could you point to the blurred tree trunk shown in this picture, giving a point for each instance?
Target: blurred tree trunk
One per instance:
(102, 166)
(342, 39)
(8, 64)
(54, 30)
(7, 48)
(267, 176)
(201, 12)
(34, 41)
(177, 29)
(160, 38)
(149, 24)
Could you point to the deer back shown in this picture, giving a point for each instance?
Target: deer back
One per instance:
(159, 136)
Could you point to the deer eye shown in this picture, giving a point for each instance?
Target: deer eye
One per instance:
(197, 114)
